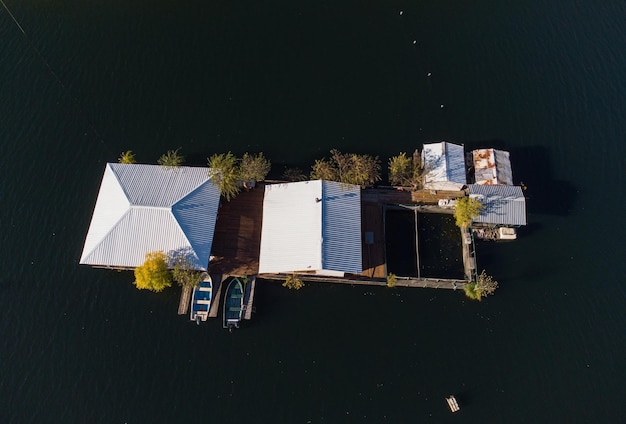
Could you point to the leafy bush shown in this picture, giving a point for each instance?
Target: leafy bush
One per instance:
(184, 274)
(348, 168)
(484, 286)
(171, 159)
(153, 274)
(127, 157)
(294, 174)
(466, 209)
(225, 173)
(293, 282)
(406, 171)
(254, 167)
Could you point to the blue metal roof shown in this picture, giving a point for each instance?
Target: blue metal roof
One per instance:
(504, 204)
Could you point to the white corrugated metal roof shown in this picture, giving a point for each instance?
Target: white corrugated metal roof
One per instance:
(504, 204)
(301, 234)
(444, 162)
(492, 166)
(146, 208)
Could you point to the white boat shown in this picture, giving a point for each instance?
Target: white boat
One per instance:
(201, 300)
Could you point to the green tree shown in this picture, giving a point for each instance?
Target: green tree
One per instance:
(293, 282)
(226, 174)
(171, 159)
(127, 157)
(323, 169)
(153, 274)
(484, 286)
(184, 274)
(406, 171)
(401, 170)
(294, 174)
(254, 167)
(348, 168)
(466, 209)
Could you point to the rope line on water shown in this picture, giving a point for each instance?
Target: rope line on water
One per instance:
(54, 74)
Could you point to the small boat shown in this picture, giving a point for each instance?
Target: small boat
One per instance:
(201, 300)
(452, 403)
(233, 304)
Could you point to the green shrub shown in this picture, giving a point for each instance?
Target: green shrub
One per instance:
(171, 159)
(127, 157)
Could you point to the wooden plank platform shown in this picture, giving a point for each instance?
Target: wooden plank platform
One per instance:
(237, 238)
(373, 221)
(217, 294)
(248, 298)
(185, 300)
(432, 283)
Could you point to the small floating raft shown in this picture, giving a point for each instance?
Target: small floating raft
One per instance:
(452, 403)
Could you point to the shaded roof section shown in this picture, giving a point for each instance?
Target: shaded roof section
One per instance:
(504, 204)
(311, 226)
(492, 166)
(444, 163)
(147, 208)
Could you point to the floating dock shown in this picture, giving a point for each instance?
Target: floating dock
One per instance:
(185, 299)
(217, 293)
(248, 298)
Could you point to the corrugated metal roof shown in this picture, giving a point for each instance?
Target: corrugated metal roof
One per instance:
(145, 208)
(302, 234)
(444, 162)
(504, 204)
(341, 228)
(492, 166)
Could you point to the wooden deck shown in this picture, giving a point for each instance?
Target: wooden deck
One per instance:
(237, 239)
(433, 283)
(217, 294)
(185, 300)
(373, 224)
(248, 299)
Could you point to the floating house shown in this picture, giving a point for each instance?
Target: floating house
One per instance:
(445, 166)
(505, 205)
(311, 227)
(492, 167)
(147, 208)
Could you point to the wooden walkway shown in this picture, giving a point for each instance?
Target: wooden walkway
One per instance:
(433, 283)
(248, 298)
(185, 300)
(217, 294)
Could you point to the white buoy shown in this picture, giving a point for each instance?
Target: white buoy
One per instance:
(429, 74)
(414, 41)
(401, 12)
(442, 106)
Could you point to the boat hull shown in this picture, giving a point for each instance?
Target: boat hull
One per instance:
(201, 300)
(233, 304)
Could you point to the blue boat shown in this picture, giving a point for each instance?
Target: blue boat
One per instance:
(233, 304)
(201, 300)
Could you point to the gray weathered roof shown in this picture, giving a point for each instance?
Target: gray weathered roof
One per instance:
(444, 163)
(504, 204)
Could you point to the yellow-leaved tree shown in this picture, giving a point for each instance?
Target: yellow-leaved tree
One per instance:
(153, 274)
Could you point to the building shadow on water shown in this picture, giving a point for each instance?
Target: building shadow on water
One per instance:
(532, 168)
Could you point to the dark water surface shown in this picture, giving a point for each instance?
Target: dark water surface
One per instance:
(545, 80)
